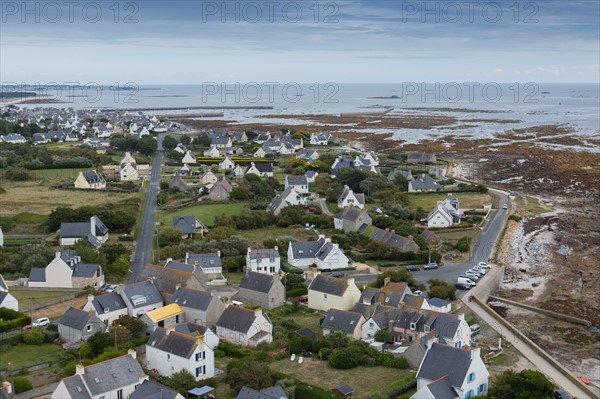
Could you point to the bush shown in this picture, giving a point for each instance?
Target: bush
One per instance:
(295, 345)
(388, 360)
(325, 353)
(297, 292)
(17, 175)
(515, 218)
(22, 384)
(34, 337)
(345, 358)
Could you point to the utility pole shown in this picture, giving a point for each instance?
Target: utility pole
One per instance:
(31, 308)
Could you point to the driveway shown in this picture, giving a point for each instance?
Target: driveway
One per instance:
(143, 248)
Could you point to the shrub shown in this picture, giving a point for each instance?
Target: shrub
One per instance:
(295, 345)
(325, 353)
(34, 337)
(388, 360)
(22, 384)
(297, 292)
(343, 359)
(17, 175)
(515, 218)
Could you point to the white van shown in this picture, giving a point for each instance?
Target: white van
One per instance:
(475, 329)
(466, 280)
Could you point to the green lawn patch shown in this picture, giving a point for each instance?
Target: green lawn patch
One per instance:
(57, 174)
(364, 380)
(234, 278)
(498, 360)
(38, 296)
(467, 200)
(258, 236)
(205, 213)
(28, 355)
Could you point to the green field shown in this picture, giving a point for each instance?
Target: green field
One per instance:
(38, 296)
(364, 380)
(258, 236)
(204, 213)
(57, 174)
(531, 206)
(467, 200)
(28, 355)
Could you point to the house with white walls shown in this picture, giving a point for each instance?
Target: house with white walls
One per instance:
(322, 253)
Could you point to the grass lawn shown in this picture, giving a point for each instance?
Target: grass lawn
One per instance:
(56, 174)
(467, 200)
(234, 278)
(450, 235)
(364, 380)
(531, 206)
(304, 316)
(38, 296)
(205, 213)
(38, 198)
(258, 236)
(27, 355)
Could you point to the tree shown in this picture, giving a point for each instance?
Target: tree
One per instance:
(441, 289)
(169, 143)
(526, 384)
(120, 267)
(396, 276)
(181, 381)
(343, 359)
(251, 374)
(239, 193)
(164, 185)
(89, 253)
(113, 251)
(169, 236)
(185, 140)
(98, 342)
(384, 336)
(147, 145)
(135, 326)
(293, 281)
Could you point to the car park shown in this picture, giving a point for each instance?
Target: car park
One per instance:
(479, 269)
(475, 270)
(41, 322)
(472, 275)
(462, 286)
(412, 268)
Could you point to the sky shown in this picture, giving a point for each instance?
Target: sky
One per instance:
(194, 42)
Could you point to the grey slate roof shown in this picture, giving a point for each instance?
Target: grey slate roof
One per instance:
(441, 389)
(175, 343)
(329, 285)
(191, 329)
(74, 230)
(264, 167)
(144, 289)
(351, 214)
(341, 320)
(152, 390)
(425, 182)
(76, 387)
(443, 360)
(391, 239)
(236, 319)
(186, 224)
(205, 260)
(306, 250)
(69, 256)
(37, 274)
(108, 303)
(92, 177)
(296, 180)
(192, 298)
(3, 294)
(3, 284)
(438, 302)
(257, 282)
(85, 270)
(267, 253)
(112, 374)
(179, 266)
(268, 393)
(75, 318)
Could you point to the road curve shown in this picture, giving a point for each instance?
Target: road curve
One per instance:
(143, 248)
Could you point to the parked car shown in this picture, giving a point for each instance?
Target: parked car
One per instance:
(471, 275)
(475, 329)
(336, 274)
(484, 265)
(464, 280)
(431, 265)
(561, 394)
(476, 271)
(110, 288)
(462, 286)
(418, 292)
(303, 298)
(479, 270)
(412, 268)
(505, 206)
(41, 322)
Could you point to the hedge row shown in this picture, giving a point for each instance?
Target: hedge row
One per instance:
(15, 323)
(297, 292)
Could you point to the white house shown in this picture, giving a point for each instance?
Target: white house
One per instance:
(141, 298)
(260, 169)
(90, 181)
(66, 271)
(213, 151)
(186, 346)
(188, 158)
(320, 138)
(108, 307)
(287, 198)
(311, 176)
(448, 372)
(208, 178)
(244, 326)
(94, 231)
(239, 172)
(6, 299)
(322, 253)
(445, 214)
(298, 183)
(128, 168)
(350, 198)
(113, 379)
(265, 261)
(226, 164)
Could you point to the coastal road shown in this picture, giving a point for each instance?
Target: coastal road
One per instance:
(143, 248)
(481, 251)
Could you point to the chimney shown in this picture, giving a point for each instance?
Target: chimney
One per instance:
(351, 281)
(258, 312)
(187, 257)
(386, 281)
(177, 286)
(90, 298)
(132, 353)
(79, 369)
(57, 254)
(169, 260)
(387, 229)
(249, 250)
(410, 237)
(219, 253)
(321, 236)
(475, 353)
(276, 248)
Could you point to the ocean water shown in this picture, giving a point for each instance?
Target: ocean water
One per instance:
(576, 105)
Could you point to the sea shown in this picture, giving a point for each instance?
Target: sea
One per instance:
(518, 105)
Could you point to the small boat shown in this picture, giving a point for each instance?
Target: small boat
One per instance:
(585, 381)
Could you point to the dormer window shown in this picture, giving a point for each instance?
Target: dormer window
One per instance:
(413, 326)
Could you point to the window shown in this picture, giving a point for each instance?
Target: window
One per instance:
(89, 327)
(481, 389)
(197, 357)
(120, 394)
(471, 377)
(371, 324)
(413, 326)
(168, 356)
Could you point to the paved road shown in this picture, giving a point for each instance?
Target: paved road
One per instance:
(143, 248)
(482, 250)
(323, 204)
